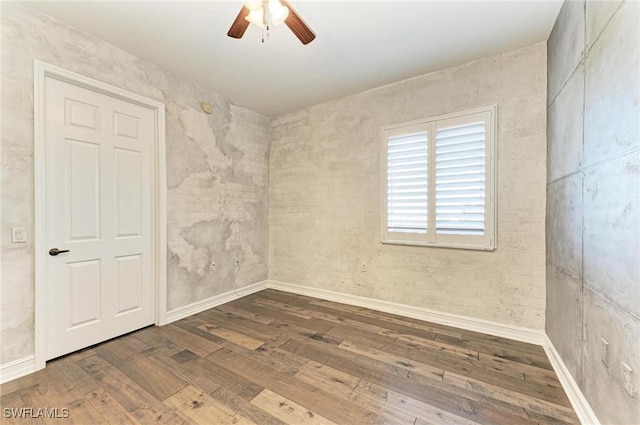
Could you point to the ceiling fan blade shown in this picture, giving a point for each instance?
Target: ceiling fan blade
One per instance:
(298, 26)
(240, 25)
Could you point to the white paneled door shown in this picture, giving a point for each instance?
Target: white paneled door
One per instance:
(98, 225)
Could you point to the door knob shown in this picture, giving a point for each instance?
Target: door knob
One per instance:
(55, 251)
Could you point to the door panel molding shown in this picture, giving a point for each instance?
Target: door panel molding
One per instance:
(42, 71)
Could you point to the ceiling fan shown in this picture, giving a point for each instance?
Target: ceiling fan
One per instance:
(264, 13)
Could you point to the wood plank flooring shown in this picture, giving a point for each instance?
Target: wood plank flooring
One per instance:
(274, 358)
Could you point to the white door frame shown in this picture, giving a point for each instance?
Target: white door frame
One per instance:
(158, 201)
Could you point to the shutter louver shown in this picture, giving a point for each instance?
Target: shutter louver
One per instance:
(460, 180)
(407, 183)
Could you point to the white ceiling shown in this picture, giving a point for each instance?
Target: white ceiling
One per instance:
(359, 45)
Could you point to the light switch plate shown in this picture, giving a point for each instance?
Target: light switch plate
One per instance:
(18, 235)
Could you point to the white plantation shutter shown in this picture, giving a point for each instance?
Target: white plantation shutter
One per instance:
(438, 181)
(460, 179)
(407, 179)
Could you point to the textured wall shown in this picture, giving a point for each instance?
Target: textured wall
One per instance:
(324, 195)
(593, 201)
(217, 169)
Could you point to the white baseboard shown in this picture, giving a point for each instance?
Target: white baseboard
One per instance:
(517, 333)
(17, 369)
(577, 399)
(216, 300)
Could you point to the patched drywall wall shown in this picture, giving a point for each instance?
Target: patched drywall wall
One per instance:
(593, 202)
(324, 195)
(217, 169)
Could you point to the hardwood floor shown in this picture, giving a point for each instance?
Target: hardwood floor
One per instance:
(277, 358)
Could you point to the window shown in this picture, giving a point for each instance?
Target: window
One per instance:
(438, 181)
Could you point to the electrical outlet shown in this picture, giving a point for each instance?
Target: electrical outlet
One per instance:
(626, 379)
(363, 267)
(604, 351)
(212, 266)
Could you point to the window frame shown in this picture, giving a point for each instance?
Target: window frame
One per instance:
(485, 242)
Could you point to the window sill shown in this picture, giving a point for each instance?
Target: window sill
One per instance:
(467, 247)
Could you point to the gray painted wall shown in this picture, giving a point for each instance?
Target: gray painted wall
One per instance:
(593, 201)
(324, 195)
(217, 170)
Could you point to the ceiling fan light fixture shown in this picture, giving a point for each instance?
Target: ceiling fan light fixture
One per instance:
(267, 13)
(279, 13)
(253, 5)
(257, 17)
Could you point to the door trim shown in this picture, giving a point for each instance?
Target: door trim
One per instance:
(42, 71)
